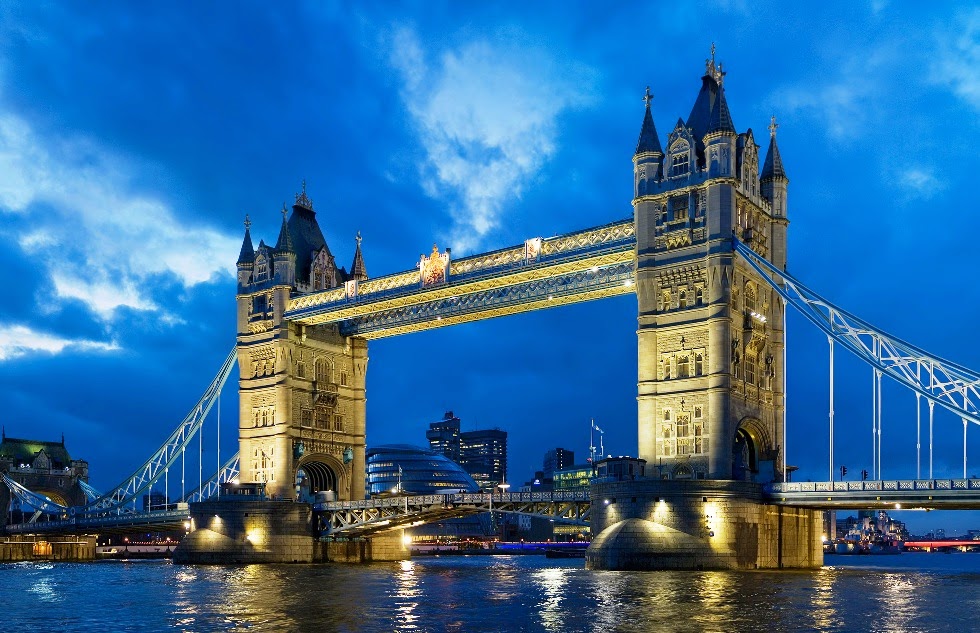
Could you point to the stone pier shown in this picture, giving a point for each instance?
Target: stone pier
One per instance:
(652, 524)
(233, 531)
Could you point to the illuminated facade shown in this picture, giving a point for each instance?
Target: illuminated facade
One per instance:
(710, 336)
(301, 395)
(43, 467)
(483, 454)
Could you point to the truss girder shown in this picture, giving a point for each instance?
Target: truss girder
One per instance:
(608, 276)
(157, 520)
(32, 499)
(947, 384)
(164, 457)
(362, 518)
(563, 269)
(932, 494)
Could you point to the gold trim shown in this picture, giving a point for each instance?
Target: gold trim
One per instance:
(619, 289)
(427, 295)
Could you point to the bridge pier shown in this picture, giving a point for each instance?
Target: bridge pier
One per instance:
(653, 524)
(40, 547)
(233, 531)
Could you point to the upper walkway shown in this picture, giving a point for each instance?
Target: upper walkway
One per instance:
(930, 494)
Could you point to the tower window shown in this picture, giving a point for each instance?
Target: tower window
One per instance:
(682, 298)
(699, 296)
(680, 163)
(698, 368)
(679, 207)
(683, 367)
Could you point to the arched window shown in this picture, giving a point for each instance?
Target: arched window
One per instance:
(750, 296)
(680, 159)
(667, 362)
(699, 364)
(699, 296)
(682, 298)
(683, 367)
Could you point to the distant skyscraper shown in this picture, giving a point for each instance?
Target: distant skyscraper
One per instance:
(483, 454)
(443, 436)
(557, 459)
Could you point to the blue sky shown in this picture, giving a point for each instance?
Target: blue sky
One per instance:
(134, 139)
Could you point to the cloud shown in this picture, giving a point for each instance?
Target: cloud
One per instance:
(100, 241)
(487, 117)
(958, 58)
(18, 340)
(920, 182)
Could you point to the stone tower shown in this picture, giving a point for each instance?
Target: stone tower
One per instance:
(302, 389)
(710, 332)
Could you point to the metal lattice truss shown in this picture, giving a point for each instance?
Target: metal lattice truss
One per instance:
(541, 273)
(210, 488)
(156, 466)
(31, 499)
(91, 494)
(361, 518)
(940, 381)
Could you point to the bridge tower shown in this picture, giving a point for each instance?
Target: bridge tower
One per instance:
(710, 332)
(302, 389)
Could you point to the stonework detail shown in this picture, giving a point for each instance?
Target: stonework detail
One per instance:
(710, 336)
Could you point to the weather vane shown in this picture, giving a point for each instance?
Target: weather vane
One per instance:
(248, 223)
(647, 98)
(772, 126)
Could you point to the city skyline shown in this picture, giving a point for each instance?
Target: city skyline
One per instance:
(133, 142)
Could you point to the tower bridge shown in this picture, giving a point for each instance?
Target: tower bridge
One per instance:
(705, 254)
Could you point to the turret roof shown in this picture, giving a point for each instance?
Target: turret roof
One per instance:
(773, 167)
(648, 142)
(357, 269)
(247, 254)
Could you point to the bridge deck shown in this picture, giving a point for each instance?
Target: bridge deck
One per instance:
(906, 494)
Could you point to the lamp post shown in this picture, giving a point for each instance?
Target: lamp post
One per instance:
(503, 486)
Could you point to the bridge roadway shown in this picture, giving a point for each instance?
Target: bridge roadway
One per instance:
(157, 520)
(905, 494)
(362, 518)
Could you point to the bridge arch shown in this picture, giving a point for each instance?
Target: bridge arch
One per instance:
(322, 472)
(751, 443)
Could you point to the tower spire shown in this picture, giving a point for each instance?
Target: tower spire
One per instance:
(303, 200)
(357, 270)
(285, 243)
(247, 254)
(773, 167)
(648, 142)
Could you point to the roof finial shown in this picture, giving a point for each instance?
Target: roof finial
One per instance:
(647, 98)
(714, 70)
(772, 126)
(302, 199)
(284, 212)
(248, 223)
(358, 238)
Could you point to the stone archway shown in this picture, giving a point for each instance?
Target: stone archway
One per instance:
(750, 444)
(318, 472)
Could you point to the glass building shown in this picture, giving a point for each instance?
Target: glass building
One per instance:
(483, 454)
(414, 470)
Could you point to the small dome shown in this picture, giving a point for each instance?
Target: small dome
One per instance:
(639, 544)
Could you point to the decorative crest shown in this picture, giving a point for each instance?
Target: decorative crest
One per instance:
(647, 98)
(302, 199)
(772, 126)
(248, 223)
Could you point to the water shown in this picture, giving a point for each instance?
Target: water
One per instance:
(908, 592)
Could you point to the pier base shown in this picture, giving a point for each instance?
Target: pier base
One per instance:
(232, 531)
(651, 524)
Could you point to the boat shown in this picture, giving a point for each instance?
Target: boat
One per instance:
(568, 552)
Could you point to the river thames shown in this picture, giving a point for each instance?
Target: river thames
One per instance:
(908, 592)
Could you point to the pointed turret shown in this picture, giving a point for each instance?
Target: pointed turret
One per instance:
(246, 258)
(721, 117)
(284, 255)
(247, 254)
(773, 167)
(648, 142)
(285, 243)
(649, 156)
(357, 270)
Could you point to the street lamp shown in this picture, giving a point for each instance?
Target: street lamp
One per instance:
(503, 488)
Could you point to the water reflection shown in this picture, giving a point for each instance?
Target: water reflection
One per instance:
(823, 612)
(552, 583)
(406, 596)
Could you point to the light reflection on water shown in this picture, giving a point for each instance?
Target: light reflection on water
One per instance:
(909, 592)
